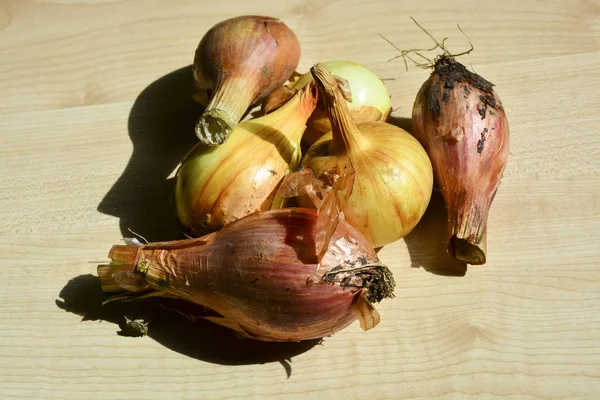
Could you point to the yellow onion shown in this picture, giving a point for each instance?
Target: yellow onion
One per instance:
(365, 94)
(237, 63)
(460, 121)
(217, 185)
(262, 276)
(393, 176)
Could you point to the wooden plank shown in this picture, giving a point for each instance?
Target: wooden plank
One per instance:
(96, 113)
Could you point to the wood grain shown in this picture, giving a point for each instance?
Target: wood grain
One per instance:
(95, 114)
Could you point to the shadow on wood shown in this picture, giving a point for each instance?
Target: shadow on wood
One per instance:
(161, 127)
(427, 241)
(401, 122)
(167, 325)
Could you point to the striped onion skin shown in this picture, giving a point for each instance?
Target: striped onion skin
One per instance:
(393, 182)
(217, 185)
(261, 274)
(393, 174)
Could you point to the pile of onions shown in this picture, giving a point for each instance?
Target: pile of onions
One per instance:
(261, 274)
(365, 94)
(278, 273)
(460, 121)
(392, 175)
(238, 62)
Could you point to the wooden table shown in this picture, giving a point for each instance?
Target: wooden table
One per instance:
(96, 113)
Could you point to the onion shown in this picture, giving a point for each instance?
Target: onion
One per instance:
(262, 275)
(366, 96)
(237, 63)
(460, 121)
(217, 185)
(392, 175)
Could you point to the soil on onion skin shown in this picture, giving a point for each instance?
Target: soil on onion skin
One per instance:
(451, 73)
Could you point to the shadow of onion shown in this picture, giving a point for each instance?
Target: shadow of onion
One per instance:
(427, 242)
(401, 122)
(161, 128)
(198, 338)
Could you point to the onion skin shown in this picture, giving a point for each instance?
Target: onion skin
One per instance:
(237, 63)
(217, 185)
(393, 174)
(262, 275)
(460, 121)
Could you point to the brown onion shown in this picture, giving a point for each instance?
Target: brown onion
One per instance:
(238, 62)
(262, 275)
(460, 121)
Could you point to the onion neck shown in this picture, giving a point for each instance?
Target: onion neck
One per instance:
(170, 270)
(292, 116)
(345, 134)
(291, 121)
(226, 108)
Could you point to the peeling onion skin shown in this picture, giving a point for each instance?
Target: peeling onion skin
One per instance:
(237, 63)
(460, 121)
(261, 274)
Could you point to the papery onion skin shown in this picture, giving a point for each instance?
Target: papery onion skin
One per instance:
(370, 100)
(393, 174)
(238, 62)
(217, 185)
(460, 121)
(261, 273)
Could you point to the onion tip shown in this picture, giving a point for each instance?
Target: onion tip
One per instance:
(468, 250)
(214, 127)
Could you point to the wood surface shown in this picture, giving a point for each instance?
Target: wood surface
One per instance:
(96, 112)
